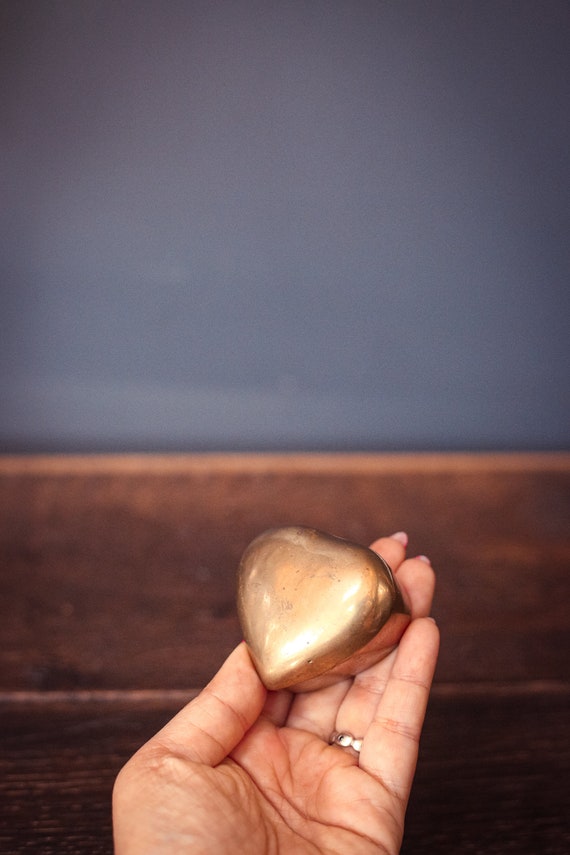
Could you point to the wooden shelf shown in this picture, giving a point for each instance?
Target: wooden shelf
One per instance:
(118, 604)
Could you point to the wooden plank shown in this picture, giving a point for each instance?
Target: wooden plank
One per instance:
(119, 572)
(491, 778)
(160, 465)
(492, 773)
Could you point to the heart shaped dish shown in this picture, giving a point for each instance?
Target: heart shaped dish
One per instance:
(315, 609)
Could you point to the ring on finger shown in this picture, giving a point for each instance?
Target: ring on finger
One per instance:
(345, 740)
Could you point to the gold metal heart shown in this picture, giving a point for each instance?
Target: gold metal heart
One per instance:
(315, 608)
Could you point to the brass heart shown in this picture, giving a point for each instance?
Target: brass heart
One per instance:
(315, 608)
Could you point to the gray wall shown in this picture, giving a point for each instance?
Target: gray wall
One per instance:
(278, 225)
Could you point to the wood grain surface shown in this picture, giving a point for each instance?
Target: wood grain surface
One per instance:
(117, 590)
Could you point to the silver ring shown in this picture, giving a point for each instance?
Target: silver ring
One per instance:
(345, 740)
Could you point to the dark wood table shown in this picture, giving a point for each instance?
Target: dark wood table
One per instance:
(117, 596)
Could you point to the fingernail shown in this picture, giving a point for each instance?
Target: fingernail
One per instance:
(423, 558)
(401, 537)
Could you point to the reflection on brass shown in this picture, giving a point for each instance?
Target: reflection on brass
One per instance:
(315, 608)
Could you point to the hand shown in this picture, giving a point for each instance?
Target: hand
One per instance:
(243, 770)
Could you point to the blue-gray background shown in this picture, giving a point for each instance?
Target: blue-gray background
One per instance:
(284, 225)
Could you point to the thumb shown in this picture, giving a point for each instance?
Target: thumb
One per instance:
(211, 725)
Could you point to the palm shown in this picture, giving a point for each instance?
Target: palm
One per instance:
(243, 770)
(308, 796)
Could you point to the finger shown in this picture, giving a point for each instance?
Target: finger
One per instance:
(360, 703)
(392, 549)
(417, 579)
(277, 706)
(317, 711)
(390, 746)
(211, 725)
